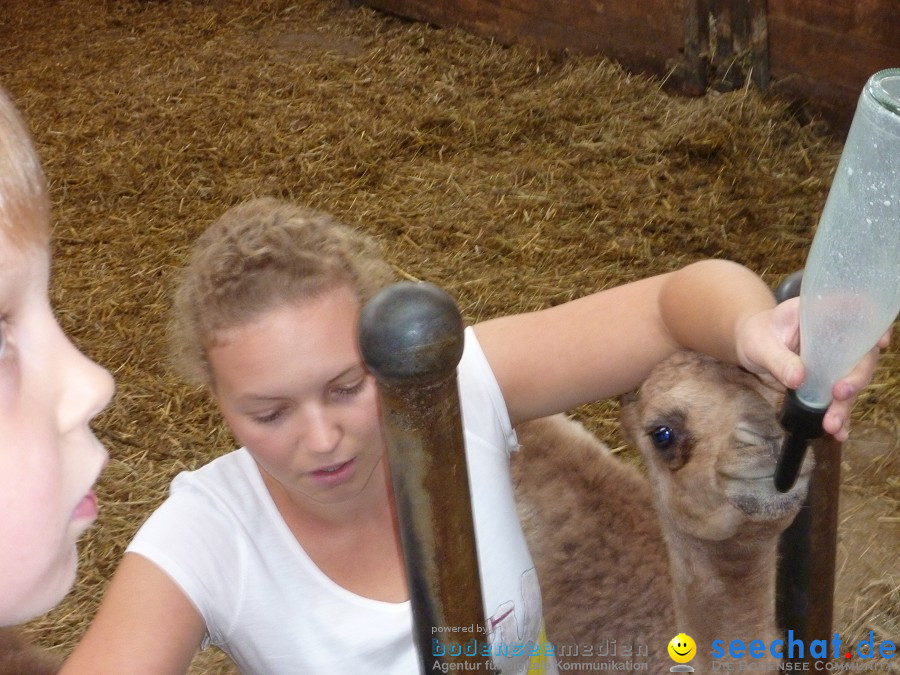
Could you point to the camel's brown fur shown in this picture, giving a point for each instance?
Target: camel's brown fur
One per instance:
(19, 657)
(595, 540)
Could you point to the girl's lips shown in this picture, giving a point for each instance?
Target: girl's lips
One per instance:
(335, 474)
(87, 508)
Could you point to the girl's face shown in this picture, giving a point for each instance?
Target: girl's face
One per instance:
(49, 457)
(294, 391)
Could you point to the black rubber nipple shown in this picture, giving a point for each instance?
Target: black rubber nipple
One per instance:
(802, 423)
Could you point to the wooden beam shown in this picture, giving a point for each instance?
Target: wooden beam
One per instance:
(695, 69)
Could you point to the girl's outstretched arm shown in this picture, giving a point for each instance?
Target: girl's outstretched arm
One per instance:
(605, 344)
(145, 626)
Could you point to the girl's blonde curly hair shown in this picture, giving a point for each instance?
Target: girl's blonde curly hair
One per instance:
(260, 255)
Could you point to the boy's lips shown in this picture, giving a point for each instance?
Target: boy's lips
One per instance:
(87, 508)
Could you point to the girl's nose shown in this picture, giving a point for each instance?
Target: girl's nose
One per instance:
(87, 388)
(320, 433)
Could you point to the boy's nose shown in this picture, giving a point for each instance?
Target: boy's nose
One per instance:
(87, 388)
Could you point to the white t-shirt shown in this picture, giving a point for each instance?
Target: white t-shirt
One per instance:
(221, 539)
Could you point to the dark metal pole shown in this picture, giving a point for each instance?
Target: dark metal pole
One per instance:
(411, 339)
(807, 550)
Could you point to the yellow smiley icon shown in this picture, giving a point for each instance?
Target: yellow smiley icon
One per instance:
(682, 648)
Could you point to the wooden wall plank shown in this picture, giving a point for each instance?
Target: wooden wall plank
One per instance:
(817, 49)
(641, 36)
(832, 15)
(830, 62)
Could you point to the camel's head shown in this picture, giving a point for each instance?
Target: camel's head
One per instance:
(709, 435)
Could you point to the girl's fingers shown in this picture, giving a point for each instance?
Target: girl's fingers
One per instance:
(858, 379)
(837, 422)
(845, 391)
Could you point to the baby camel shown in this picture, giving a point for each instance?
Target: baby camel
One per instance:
(626, 563)
(18, 657)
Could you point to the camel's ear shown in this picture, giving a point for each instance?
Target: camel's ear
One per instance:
(629, 398)
(765, 385)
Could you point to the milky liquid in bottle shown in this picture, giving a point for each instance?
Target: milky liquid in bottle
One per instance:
(850, 292)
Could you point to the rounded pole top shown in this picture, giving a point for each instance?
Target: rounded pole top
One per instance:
(790, 287)
(411, 332)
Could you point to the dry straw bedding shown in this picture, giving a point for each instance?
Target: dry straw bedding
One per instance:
(515, 179)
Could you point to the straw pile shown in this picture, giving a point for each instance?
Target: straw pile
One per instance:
(515, 179)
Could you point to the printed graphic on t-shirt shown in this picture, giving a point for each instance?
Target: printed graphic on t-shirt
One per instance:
(521, 649)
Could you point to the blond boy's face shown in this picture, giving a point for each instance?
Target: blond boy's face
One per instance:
(49, 457)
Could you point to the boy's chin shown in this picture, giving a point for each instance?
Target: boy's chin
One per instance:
(47, 592)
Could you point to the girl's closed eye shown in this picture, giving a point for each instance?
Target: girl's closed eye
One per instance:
(345, 391)
(269, 417)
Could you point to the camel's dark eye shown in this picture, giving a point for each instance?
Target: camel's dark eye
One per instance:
(663, 437)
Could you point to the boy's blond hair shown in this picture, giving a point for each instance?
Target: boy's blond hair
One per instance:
(258, 256)
(24, 206)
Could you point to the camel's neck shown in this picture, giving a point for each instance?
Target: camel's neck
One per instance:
(724, 590)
